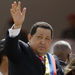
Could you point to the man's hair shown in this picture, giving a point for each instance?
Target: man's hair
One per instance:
(61, 47)
(41, 25)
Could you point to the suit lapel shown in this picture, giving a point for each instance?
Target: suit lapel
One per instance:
(36, 61)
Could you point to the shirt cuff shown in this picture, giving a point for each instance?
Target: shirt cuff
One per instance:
(14, 32)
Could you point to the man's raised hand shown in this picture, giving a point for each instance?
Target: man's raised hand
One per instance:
(17, 15)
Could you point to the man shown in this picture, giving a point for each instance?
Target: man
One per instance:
(31, 58)
(62, 51)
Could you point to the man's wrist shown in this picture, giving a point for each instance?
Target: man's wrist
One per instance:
(16, 26)
(14, 32)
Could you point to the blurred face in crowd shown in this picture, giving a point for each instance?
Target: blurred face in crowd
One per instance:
(40, 41)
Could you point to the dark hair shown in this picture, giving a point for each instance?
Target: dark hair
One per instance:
(41, 25)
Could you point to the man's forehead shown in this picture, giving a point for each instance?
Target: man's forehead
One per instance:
(43, 31)
(40, 29)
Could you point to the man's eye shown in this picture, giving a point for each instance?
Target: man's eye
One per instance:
(39, 37)
(47, 38)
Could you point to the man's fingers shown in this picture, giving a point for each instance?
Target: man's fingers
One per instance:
(19, 6)
(16, 13)
(15, 3)
(14, 6)
(11, 11)
(23, 11)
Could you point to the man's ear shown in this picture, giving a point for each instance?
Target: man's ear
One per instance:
(29, 36)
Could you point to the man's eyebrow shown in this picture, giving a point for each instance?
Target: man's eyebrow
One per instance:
(39, 34)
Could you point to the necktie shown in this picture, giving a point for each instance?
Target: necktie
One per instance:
(41, 58)
(47, 72)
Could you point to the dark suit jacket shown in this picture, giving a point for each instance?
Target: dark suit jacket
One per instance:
(22, 60)
(59, 69)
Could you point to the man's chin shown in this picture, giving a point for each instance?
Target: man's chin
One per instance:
(41, 53)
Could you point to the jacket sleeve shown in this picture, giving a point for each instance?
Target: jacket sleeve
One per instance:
(12, 48)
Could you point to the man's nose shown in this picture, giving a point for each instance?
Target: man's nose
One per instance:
(42, 41)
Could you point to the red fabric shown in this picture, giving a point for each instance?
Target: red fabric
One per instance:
(41, 58)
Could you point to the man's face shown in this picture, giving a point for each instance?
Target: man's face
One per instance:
(40, 41)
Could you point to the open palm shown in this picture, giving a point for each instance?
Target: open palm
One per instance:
(17, 15)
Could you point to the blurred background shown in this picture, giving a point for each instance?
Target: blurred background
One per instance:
(59, 13)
